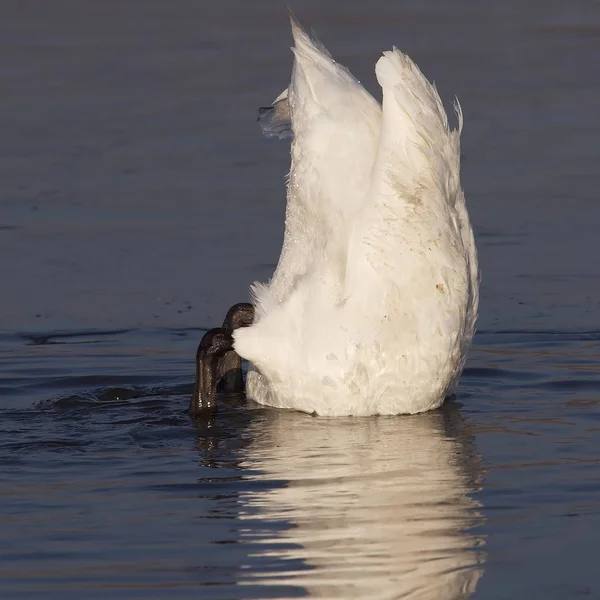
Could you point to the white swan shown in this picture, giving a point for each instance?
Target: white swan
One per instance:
(372, 306)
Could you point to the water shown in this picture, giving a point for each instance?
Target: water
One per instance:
(138, 202)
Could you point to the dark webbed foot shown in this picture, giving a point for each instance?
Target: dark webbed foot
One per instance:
(239, 315)
(230, 378)
(215, 344)
(217, 362)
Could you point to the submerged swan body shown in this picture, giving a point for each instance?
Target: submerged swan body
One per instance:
(372, 306)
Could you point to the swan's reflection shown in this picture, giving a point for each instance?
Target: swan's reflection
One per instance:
(378, 508)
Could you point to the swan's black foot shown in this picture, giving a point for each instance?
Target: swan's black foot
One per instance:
(230, 378)
(217, 363)
(215, 344)
(239, 315)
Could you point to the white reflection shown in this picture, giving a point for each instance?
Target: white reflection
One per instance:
(379, 507)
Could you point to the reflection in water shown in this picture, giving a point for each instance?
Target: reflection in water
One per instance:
(374, 508)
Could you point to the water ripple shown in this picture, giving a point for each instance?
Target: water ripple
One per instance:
(282, 502)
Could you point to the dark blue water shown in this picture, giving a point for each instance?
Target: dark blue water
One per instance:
(137, 202)
(109, 488)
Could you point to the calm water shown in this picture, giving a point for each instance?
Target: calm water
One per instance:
(137, 202)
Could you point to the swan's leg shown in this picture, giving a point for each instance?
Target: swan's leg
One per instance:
(230, 365)
(215, 344)
(217, 362)
(239, 315)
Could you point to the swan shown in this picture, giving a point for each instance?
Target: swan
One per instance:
(373, 303)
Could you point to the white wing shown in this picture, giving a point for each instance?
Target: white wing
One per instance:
(335, 125)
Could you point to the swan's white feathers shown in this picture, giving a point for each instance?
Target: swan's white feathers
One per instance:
(335, 124)
(372, 307)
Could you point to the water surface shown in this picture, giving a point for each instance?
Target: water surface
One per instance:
(137, 202)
